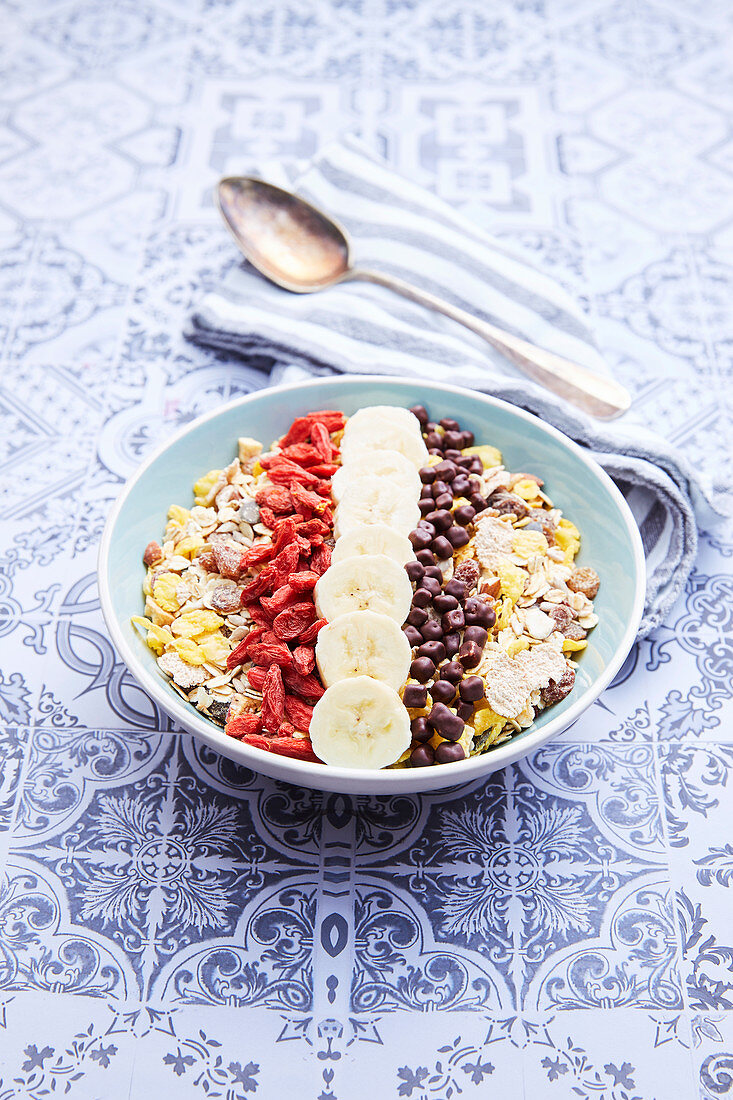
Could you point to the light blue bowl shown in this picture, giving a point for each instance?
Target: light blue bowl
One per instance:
(576, 484)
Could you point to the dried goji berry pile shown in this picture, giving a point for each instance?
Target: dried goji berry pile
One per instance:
(296, 506)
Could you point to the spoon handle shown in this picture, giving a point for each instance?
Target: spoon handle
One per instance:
(601, 397)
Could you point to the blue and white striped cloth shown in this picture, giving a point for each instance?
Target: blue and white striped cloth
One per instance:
(397, 227)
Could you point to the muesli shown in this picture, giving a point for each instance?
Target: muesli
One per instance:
(373, 591)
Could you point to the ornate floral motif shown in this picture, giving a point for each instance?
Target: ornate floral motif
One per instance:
(136, 863)
(710, 979)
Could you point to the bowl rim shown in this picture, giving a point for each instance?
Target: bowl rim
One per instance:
(328, 777)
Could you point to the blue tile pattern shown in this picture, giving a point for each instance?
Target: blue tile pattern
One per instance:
(171, 921)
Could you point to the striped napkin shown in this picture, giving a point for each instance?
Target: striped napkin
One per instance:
(357, 328)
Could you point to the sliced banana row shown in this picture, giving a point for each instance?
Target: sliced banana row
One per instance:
(362, 654)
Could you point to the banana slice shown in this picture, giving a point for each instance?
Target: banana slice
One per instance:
(372, 582)
(365, 419)
(370, 499)
(374, 538)
(387, 464)
(359, 445)
(360, 723)
(363, 643)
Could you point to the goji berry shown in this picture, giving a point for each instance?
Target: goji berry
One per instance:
(302, 453)
(305, 501)
(268, 517)
(284, 564)
(321, 441)
(287, 729)
(256, 677)
(284, 535)
(306, 687)
(311, 527)
(291, 622)
(275, 498)
(321, 559)
(304, 659)
(324, 470)
(294, 475)
(298, 712)
(282, 598)
(255, 588)
(245, 724)
(256, 555)
(311, 633)
(260, 616)
(273, 699)
(298, 431)
(268, 654)
(300, 582)
(332, 419)
(299, 748)
(242, 649)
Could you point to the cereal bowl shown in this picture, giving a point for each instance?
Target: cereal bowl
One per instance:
(577, 485)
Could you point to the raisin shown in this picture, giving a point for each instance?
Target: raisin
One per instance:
(558, 689)
(586, 581)
(228, 560)
(506, 503)
(206, 560)
(225, 598)
(566, 623)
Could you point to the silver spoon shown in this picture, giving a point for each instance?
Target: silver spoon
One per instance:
(297, 247)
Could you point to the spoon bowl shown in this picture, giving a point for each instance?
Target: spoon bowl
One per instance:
(284, 237)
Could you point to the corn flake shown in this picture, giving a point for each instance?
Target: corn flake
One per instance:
(489, 456)
(527, 543)
(165, 586)
(194, 623)
(526, 489)
(188, 651)
(157, 637)
(204, 485)
(513, 580)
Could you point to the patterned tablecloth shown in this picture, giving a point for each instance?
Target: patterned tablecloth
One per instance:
(173, 925)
